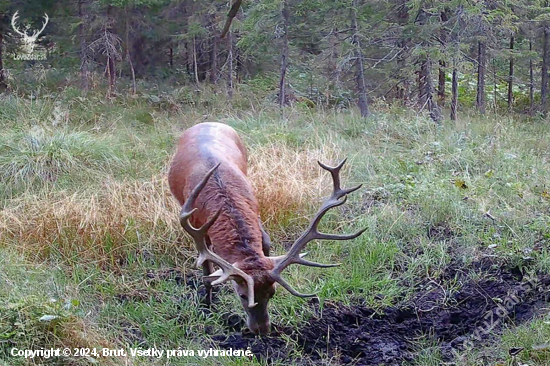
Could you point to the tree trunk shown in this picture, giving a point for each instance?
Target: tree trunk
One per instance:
(545, 65)
(3, 83)
(171, 56)
(480, 99)
(284, 54)
(239, 68)
(111, 70)
(214, 58)
(531, 81)
(84, 76)
(456, 40)
(195, 66)
(232, 14)
(230, 65)
(495, 85)
(360, 72)
(511, 77)
(404, 87)
(427, 90)
(442, 65)
(441, 82)
(128, 57)
(111, 73)
(188, 58)
(332, 66)
(454, 96)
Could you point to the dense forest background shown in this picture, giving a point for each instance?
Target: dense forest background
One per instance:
(434, 56)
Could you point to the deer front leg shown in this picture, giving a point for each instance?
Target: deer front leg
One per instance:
(207, 270)
(266, 241)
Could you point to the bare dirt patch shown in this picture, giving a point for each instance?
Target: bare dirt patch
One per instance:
(360, 336)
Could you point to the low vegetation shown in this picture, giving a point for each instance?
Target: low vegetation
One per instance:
(92, 255)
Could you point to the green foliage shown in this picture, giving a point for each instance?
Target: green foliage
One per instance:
(428, 192)
(33, 322)
(37, 155)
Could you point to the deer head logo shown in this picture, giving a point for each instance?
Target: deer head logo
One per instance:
(29, 41)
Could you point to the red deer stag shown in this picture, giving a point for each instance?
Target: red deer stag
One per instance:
(220, 212)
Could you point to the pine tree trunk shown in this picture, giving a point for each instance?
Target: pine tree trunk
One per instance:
(480, 99)
(230, 65)
(171, 56)
(545, 65)
(214, 59)
(441, 82)
(232, 14)
(111, 70)
(442, 65)
(111, 73)
(84, 76)
(195, 66)
(360, 72)
(454, 96)
(3, 83)
(511, 77)
(188, 54)
(128, 57)
(403, 89)
(456, 40)
(495, 85)
(284, 55)
(427, 90)
(332, 66)
(531, 81)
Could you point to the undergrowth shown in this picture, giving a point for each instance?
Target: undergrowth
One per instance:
(85, 203)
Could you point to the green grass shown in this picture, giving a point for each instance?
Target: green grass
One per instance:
(87, 216)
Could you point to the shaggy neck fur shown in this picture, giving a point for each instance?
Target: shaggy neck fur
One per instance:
(235, 235)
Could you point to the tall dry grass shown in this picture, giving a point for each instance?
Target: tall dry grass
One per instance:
(103, 226)
(289, 182)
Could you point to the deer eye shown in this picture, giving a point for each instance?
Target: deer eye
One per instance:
(244, 297)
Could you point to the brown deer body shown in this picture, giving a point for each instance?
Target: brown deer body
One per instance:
(208, 178)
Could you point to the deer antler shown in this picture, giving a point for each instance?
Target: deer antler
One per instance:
(228, 271)
(35, 33)
(14, 25)
(293, 256)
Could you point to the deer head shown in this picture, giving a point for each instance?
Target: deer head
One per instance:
(29, 41)
(255, 278)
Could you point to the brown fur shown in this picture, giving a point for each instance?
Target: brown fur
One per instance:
(235, 235)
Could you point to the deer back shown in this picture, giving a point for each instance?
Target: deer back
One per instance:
(236, 233)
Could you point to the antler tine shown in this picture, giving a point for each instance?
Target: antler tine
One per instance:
(335, 172)
(46, 18)
(14, 25)
(293, 256)
(277, 278)
(199, 235)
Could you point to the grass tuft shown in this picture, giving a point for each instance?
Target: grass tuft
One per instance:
(40, 156)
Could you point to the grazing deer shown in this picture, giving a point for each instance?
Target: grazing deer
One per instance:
(220, 212)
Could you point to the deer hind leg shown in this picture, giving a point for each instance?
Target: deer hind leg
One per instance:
(207, 270)
(266, 241)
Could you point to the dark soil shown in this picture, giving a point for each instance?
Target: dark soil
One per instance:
(359, 336)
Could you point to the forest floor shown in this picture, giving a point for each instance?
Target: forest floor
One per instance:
(453, 268)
